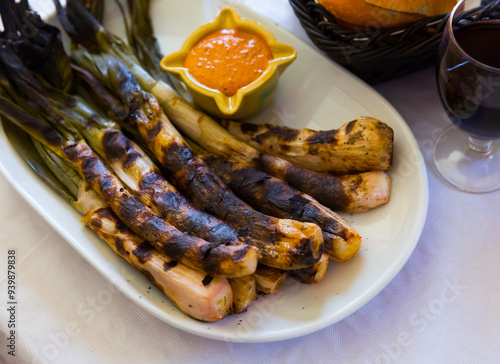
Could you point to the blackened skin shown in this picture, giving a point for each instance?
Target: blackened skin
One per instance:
(119, 246)
(328, 190)
(143, 252)
(249, 128)
(302, 275)
(171, 204)
(103, 97)
(192, 175)
(150, 277)
(181, 213)
(96, 223)
(271, 195)
(309, 258)
(169, 265)
(108, 214)
(47, 133)
(140, 219)
(148, 180)
(144, 249)
(324, 137)
(311, 183)
(350, 126)
(153, 132)
(305, 275)
(285, 134)
(206, 281)
(118, 147)
(206, 191)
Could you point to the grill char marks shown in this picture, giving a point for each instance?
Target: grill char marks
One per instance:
(350, 125)
(210, 194)
(121, 236)
(286, 135)
(178, 210)
(193, 251)
(206, 281)
(105, 99)
(147, 180)
(323, 137)
(47, 133)
(276, 198)
(119, 246)
(186, 217)
(96, 223)
(149, 277)
(271, 194)
(311, 183)
(143, 252)
(154, 131)
(313, 274)
(168, 202)
(169, 265)
(182, 285)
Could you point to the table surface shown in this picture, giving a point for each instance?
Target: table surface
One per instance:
(441, 308)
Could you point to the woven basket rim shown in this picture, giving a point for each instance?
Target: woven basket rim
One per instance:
(361, 33)
(375, 55)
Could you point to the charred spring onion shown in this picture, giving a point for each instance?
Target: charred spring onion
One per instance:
(185, 287)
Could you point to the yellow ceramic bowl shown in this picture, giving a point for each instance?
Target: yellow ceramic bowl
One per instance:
(248, 100)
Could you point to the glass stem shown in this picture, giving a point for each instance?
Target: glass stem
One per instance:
(479, 146)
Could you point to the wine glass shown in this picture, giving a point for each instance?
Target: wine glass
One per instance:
(467, 154)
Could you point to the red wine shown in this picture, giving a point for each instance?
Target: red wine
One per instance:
(470, 91)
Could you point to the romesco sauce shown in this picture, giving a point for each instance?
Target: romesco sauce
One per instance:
(228, 60)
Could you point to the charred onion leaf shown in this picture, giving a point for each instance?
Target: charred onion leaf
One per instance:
(36, 128)
(84, 29)
(37, 43)
(23, 144)
(142, 40)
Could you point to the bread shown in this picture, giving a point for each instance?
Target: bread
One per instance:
(360, 13)
(424, 7)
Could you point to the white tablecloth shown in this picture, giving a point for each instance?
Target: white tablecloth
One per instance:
(441, 308)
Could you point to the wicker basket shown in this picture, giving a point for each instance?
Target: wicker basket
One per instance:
(378, 55)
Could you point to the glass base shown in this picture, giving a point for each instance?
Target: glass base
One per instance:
(467, 164)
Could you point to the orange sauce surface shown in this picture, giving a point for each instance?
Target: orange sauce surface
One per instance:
(228, 60)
